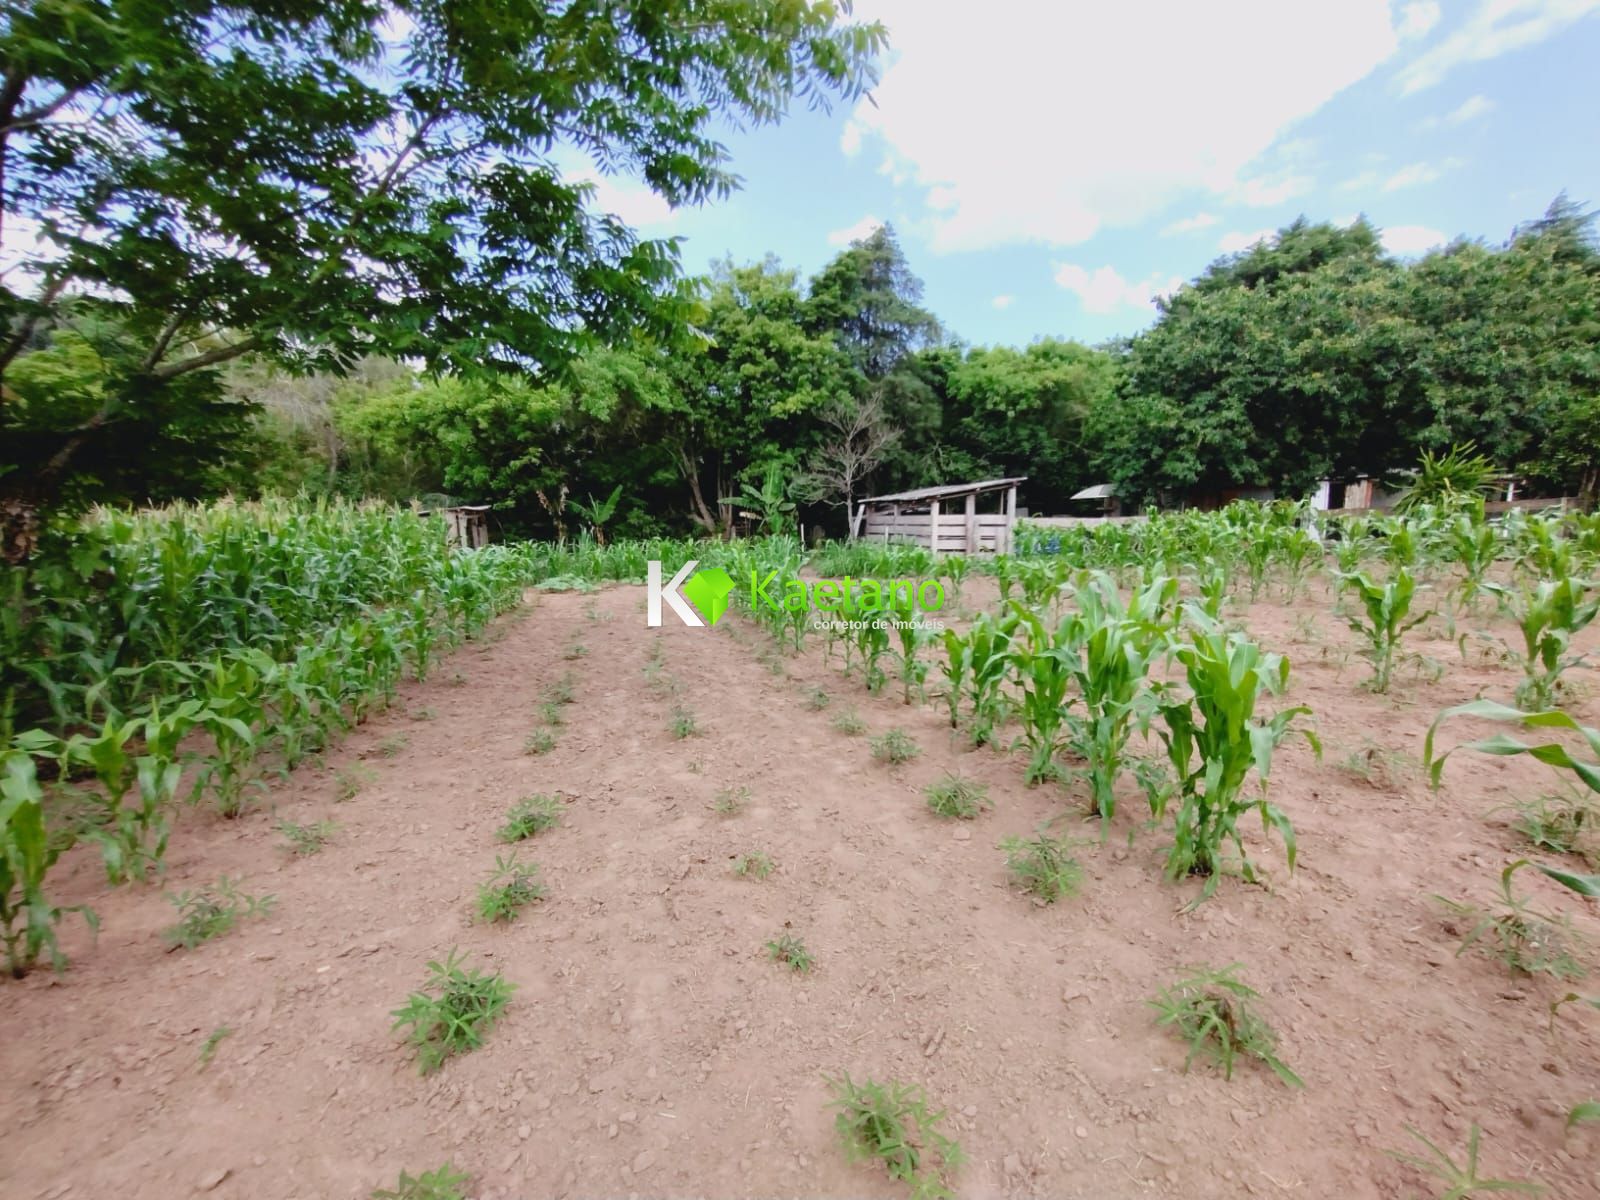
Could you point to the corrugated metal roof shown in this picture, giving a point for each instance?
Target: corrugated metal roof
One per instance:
(1100, 491)
(952, 489)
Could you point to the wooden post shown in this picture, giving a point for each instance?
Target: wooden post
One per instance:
(1006, 542)
(933, 527)
(972, 522)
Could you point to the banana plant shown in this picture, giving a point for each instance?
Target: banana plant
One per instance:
(1215, 742)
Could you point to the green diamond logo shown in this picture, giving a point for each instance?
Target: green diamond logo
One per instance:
(708, 591)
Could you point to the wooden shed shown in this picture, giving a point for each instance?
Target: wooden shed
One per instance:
(959, 518)
(467, 524)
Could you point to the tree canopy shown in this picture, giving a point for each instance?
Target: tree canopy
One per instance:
(318, 182)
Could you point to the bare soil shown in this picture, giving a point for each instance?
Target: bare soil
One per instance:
(652, 1049)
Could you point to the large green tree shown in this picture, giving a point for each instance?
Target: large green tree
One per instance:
(318, 180)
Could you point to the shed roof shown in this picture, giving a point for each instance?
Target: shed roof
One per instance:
(1099, 491)
(950, 489)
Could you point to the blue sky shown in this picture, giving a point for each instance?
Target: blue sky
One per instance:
(1050, 166)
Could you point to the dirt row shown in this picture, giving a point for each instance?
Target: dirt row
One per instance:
(652, 1049)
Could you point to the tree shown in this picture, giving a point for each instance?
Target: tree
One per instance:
(856, 438)
(869, 300)
(1022, 412)
(746, 399)
(318, 181)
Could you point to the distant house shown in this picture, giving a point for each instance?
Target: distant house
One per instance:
(1104, 496)
(959, 518)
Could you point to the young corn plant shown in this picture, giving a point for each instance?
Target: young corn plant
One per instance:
(891, 1123)
(1215, 742)
(28, 918)
(456, 1019)
(1384, 619)
(511, 888)
(1549, 614)
(1041, 666)
(1112, 646)
(976, 667)
(1213, 1011)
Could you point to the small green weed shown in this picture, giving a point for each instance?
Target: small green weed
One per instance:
(849, 722)
(445, 1183)
(731, 801)
(576, 651)
(755, 865)
(894, 746)
(511, 888)
(307, 839)
(1526, 940)
(530, 816)
(1566, 822)
(348, 781)
(1043, 865)
(392, 745)
(208, 1048)
(1212, 1011)
(425, 713)
(891, 1122)
(540, 741)
(550, 713)
(957, 796)
(562, 691)
(683, 724)
(792, 953)
(1462, 1181)
(817, 699)
(211, 912)
(455, 1021)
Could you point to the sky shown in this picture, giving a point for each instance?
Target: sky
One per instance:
(1051, 166)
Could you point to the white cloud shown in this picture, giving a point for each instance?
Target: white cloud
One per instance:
(1356, 183)
(1496, 28)
(1417, 19)
(850, 139)
(630, 201)
(1411, 239)
(1265, 192)
(1104, 290)
(1232, 243)
(1418, 174)
(1202, 220)
(1003, 301)
(1013, 149)
(1470, 109)
(863, 228)
(1415, 175)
